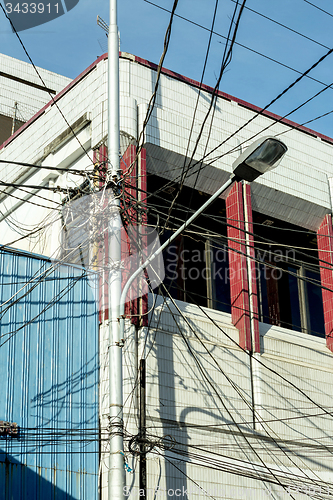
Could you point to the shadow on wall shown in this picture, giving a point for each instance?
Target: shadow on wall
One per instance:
(49, 372)
(19, 482)
(175, 470)
(179, 378)
(57, 449)
(54, 404)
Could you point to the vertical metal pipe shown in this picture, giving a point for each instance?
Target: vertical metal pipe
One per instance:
(116, 480)
(116, 476)
(14, 119)
(142, 431)
(254, 366)
(113, 91)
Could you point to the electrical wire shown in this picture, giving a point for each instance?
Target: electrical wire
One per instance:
(239, 44)
(200, 84)
(286, 27)
(56, 189)
(51, 303)
(207, 378)
(152, 100)
(274, 120)
(54, 101)
(229, 380)
(319, 8)
(44, 167)
(226, 59)
(223, 221)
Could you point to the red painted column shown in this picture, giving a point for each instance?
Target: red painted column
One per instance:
(239, 285)
(142, 196)
(129, 206)
(325, 252)
(239, 291)
(102, 249)
(253, 296)
(135, 190)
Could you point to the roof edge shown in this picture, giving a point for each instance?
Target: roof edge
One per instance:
(177, 76)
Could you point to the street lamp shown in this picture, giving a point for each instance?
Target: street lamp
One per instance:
(263, 155)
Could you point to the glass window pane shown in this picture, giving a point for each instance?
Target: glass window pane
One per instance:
(220, 279)
(194, 263)
(294, 300)
(174, 272)
(315, 304)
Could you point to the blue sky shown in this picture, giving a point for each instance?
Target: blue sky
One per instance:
(68, 45)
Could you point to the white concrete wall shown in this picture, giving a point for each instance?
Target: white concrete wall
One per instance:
(29, 99)
(307, 163)
(215, 451)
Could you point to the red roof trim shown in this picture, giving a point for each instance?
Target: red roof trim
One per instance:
(177, 76)
(229, 97)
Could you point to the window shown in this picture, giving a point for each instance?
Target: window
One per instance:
(196, 263)
(288, 277)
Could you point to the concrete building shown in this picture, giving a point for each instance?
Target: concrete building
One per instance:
(23, 93)
(237, 356)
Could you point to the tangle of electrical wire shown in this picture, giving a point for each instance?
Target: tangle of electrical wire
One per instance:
(232, 383)
(226, 59)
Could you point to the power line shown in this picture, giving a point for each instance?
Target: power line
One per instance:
(50, 304)
(260, 362)
(42, 80)
(239, 44)
(261, 111)
(231, 223)
(226, 59)
(152, 100)
(228, 379)
(284, 26)
(200, 85)
(319, 8)
(186, 341)
(56, 189)
(43, 167)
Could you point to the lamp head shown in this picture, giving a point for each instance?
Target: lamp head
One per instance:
(263, 155)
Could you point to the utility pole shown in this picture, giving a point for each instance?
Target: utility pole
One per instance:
(116, 475)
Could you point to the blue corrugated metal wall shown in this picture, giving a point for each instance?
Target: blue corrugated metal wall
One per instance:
(48, 380)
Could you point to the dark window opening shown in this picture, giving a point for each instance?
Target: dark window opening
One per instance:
(289, 277)
(196, 263)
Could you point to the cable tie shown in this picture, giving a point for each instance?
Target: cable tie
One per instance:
(126, 466)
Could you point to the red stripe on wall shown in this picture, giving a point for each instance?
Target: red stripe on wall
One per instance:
(239, 290)
(130, 223)
(325, 252)
(254, 296)
(144, 220)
